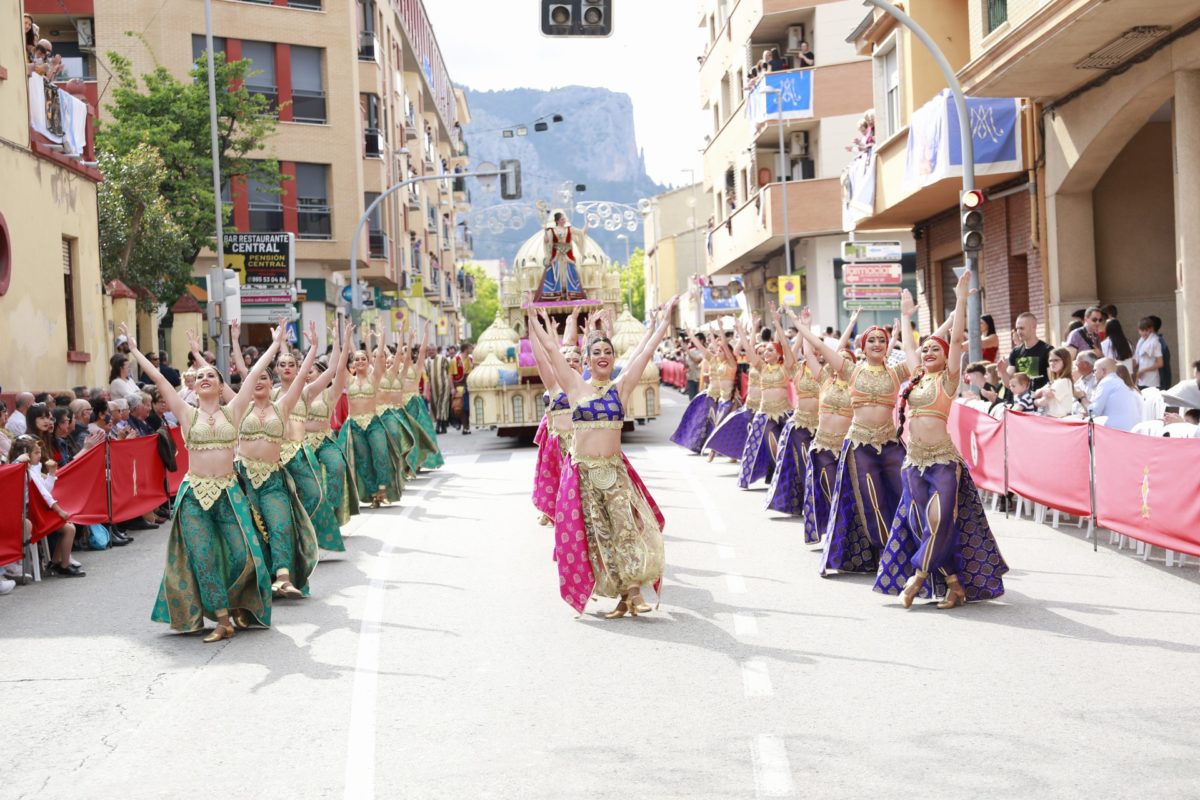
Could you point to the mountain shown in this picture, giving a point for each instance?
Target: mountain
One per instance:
(594, 145)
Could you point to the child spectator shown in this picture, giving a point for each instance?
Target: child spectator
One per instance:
(1022, 390)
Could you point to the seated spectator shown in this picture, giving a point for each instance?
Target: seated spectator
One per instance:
(17, 423)
(41, 427)
(159, 415)
(139, 414)
(120, 418)
(1021, 387)
(81, 413)
(1126, 376)
(64, 426)
(1085, 383)
(1087, 338)
(1114, 399)
(45, 398)
(28, 450)
(63, 400)
(1058, 397)
(120, 385)
(6, 437)
(1116, 346)
(805, 57)
(978, 384)
(1148, 355)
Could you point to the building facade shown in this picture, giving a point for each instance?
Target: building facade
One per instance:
(825, 90)
(364, 101)
(673, 241)
(55, 332)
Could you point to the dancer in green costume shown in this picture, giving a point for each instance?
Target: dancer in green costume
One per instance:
(418, 410)
(373, 455)
(215, 567)
(391, 410)
(340, 486)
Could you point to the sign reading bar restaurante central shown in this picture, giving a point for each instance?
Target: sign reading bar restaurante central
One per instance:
(261, 259)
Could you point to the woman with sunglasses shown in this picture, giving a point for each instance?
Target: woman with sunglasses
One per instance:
(216, 567)
(940, 543)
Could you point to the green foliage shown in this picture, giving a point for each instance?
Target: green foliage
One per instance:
(141, 243)
(170, 117)
(482, 312)
(633, 284)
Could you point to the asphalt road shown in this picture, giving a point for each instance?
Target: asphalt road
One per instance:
(436, 660)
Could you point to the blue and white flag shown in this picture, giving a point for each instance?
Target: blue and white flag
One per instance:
(795, 92)
(935, 147)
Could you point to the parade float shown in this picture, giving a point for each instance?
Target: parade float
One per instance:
(562, 269)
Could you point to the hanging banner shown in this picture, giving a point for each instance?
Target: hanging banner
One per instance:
(1048, 461)
(935, 148)
(795, 93)
(858, 190)
(81, 490)
(174, 479)
(137, 477)
(979, 437)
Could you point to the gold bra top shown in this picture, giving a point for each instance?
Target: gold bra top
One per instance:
(755, 379)
(319, 409)
(931, 397)
(875, 386)
(215, 432)
(772, 377)
(835, 395)
(357, 388)
(300, 410)
(391, 384)
(255, 429)
(807, 387)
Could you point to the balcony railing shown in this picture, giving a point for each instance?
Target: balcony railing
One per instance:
(368, 46)
(433, 283)
(307, 5)
(269, 92)
(50, 137)
(308, 105)
(378, 242)
(314, 221)
(266, 217)
(372, 143)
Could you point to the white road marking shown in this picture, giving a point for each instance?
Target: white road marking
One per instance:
(360, 753)
(667, 400)
(756, 681)
(725, 552)
(736, 584)
(745, 625)
(772, 773)
(715, 523)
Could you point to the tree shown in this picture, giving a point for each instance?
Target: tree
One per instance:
(633, 284)
(141, 243)
(482, 312)
(170, 116)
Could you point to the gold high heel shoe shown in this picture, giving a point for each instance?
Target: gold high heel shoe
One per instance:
(544, 520)
(955, 594)
(636, 604)
(241, 619)
(285, 589)
(912, 587)
(622, 609)
(220, 632)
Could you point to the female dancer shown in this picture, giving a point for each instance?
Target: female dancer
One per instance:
(774, 364)
(363, 436)
(554, 433)
(787, 492)
(418, 409)
(940, 529)
(270, 488)
(340, 486)
(722, 381)
(215, 562)
(867, 488)
(730, 434)
(391, 405)
(696, 424)
(299, 458)
(608, 531)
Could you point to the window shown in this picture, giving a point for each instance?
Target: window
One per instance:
(313, 217)
(198, 46)
(366, 30)
(518, 408)
(373, 139)
(68, 257)
(376, 237)
(997, 14)
(266, 207)
(308, 85)
(479, 416)
(890, 64)
(260, 78)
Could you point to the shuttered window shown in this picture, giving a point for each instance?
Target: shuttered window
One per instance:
(69, 291)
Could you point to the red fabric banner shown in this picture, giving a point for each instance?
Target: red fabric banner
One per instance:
(1146, 488)
(1048, 461)
(979, 437)
(12, 486)
(181, 462)
(43, 519)
(80, 490)
(137, 477)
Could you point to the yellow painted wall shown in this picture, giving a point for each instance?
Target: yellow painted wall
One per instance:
(947, 24)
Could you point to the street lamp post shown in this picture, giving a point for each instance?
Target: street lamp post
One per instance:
(783, 176)
(629, 291)
(216, 275)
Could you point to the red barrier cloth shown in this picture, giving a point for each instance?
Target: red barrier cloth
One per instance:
(979, 437)
(181, 462)
(1146, 488)
(44, 520)
(79, 490)
(137, 477)
(12, 486)
(1048, 461)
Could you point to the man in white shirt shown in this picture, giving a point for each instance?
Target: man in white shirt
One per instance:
(1147, 355)
(1085, 365)
(16, 421)
(1113, 399)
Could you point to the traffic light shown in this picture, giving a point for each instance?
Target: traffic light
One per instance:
(577, 17)
(971, 209)
(510, 180)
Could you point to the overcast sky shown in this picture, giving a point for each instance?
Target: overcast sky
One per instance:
(651, 56)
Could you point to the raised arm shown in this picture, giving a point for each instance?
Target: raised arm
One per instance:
(789, 357)
(571, 329)
(832, 357)
(566, 378)
(238, 364)
(540, 360)
(380, 366)
(194, 342)
(165, 389)
(241, 401)
(325, 378)
(958, 326)
(343, 366)
(844, 341)
(907, 309)
(288, 401)
(632, 373)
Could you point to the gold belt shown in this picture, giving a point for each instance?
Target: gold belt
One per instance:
(207, 490)
(602, 472)
(922, 454)
(805, 419)
(827, 440)
(872, 435)
(288, 450)
(592, 424)
(381, 407)
(775, 409)
(258, 471)
(363, 420)
(315, 439)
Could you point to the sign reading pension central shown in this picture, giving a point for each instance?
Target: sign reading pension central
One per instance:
(262, 259)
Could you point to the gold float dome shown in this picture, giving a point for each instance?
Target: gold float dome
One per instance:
(497, 340)
(627, 332)
(485, 375)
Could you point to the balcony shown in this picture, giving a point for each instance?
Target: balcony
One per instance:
(414, 198)
(461, 193)
(52, 137)
(368, 46)
(378, 244)
(755, 230)
(372, 143)
(433, 284)
(305, 5)
(266, 217)
(308, 106)
(313, 220)
(269, 92)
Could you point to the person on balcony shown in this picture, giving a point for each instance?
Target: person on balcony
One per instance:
(560, 280)
(805, 57)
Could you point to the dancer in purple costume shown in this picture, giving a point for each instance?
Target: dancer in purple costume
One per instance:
(940, 544)
(697, 421)
(775, 365)
(788, 487)
(729, 436)
(554, 433)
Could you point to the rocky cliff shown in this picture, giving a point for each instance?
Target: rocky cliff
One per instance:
(595, 145)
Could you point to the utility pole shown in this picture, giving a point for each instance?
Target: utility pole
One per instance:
(629, 291)
(974, 304)
(216, 275)
(783, 176)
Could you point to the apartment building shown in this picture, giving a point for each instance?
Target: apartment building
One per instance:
(364, 101)
(55, 331)
(818, 89)
(673, 241)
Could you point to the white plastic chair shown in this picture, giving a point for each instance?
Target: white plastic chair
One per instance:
(1101, 421)
(1180, 430)
(1153, 405)
(1149, 427)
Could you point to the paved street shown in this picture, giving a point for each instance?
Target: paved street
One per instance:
(436, 660)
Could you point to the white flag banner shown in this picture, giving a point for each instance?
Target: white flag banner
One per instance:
(858, 190)
(57, 115)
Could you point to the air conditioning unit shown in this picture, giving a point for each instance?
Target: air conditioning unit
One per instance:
(800, 144)
(795, 37)
(83, 29)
